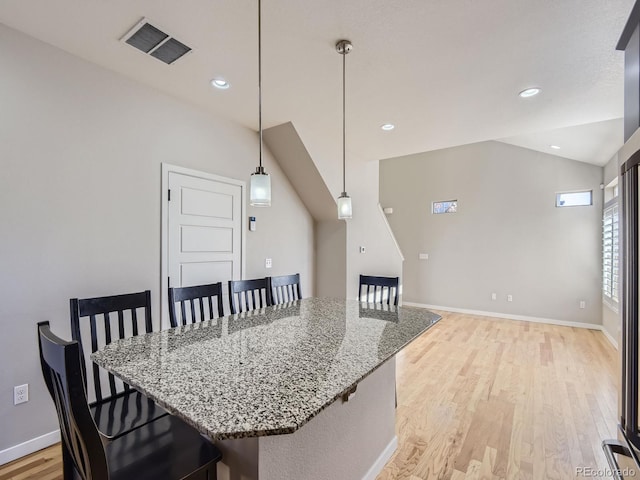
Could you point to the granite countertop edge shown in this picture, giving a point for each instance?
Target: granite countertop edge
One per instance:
(285, 429)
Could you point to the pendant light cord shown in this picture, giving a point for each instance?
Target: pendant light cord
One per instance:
(344, 135)
(260, 78)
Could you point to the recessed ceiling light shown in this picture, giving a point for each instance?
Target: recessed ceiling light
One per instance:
(387, 127)
(220, 83)
(555, 147)
(529, 92)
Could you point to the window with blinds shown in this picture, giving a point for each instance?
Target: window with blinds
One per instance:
(610, 253)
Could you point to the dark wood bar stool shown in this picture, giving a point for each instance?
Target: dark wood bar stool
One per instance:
(167, 449)
(117, 408)
(200, 300)
(252, 291)
(382, 285)
(285, 288)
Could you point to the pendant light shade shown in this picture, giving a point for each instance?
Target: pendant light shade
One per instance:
(344, 201)
(260, 188)
(344, 206)
(260, 191)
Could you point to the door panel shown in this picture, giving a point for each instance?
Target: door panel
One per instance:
(206, 239)
(207, 203)
(202, 272)
(204, 230)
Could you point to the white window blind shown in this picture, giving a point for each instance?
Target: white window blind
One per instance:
(610, 254)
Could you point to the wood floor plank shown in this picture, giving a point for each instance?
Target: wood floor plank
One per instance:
(43, 465)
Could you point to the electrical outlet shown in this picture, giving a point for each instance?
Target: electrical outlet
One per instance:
(21, 394)
(494, 296)
(583, 304)
(267, 263)
(423, 256)
(509, 298)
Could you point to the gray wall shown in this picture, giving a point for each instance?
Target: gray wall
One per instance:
(508, 237)
(330, 233)
(331, 258)
(368, 229)
(80, 150)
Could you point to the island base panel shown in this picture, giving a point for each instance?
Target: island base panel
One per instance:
(350, 440)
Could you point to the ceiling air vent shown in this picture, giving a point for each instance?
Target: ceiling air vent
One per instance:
(153, 41)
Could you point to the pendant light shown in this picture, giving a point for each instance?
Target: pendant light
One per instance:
(344, 201)
(260, 190)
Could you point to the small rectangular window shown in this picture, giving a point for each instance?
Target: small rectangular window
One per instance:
(574, 199)
(445, 206)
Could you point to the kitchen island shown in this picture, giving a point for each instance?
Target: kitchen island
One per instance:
(304, 390)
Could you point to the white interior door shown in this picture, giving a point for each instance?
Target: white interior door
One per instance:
(204, 230)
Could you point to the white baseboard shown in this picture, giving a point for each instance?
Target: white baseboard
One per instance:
(382, 460)
(17, 451)
(523, 318)
(610, 337)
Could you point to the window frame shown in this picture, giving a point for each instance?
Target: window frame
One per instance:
(433, 206)
(611, 254)
(590, 204)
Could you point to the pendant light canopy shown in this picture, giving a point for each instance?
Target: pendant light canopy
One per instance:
(344, 201)
(260, 190)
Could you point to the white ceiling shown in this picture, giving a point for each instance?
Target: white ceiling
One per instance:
(445, 72)
(592, 143)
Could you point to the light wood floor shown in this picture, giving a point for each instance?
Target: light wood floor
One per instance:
(483, 398)
(43, 465)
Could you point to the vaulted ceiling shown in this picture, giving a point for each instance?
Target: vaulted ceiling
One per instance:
(445, 73)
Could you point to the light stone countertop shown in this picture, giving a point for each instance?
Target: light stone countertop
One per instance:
(265, 372)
